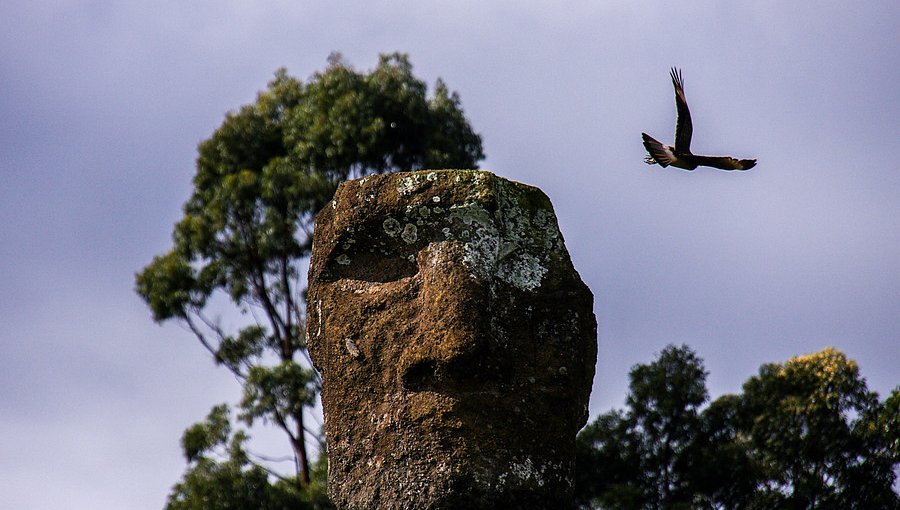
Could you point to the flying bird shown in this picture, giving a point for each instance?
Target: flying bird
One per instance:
(680, 155)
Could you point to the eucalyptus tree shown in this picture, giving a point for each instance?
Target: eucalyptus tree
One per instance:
(803, 434)
(819, 438)
(642, 457)
(247, 228)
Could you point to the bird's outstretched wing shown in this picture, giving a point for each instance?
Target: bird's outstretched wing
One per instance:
(683, 127)
(659, 153)
(725, 162)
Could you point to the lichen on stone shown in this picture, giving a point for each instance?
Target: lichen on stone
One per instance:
(410, 183)
(508, 229)
(524, 271)
(391, 227)
(443, 308)
(409, 234)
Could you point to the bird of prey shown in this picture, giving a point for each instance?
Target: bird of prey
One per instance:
(680, 155)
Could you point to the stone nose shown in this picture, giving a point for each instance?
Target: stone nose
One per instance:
(453, 322)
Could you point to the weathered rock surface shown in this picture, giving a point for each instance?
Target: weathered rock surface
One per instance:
(456, 343)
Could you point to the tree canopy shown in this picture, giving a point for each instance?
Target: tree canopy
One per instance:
(642, 457)
(221, 476)
(813, 431)
(804, 434)
(248, 224)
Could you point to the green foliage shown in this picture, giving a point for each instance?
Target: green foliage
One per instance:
(168, 286)
(889, 423)
(804, 434)
(813, 430)
(220, 475)
(248, 225)
(641, 458)
(211, 485)
(722, 473)
(202, 437)
(315, 494)
(287, 387)
(350, 124)
(606, 464)
(664, 400)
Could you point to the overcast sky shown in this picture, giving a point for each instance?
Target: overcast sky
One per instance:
(102, 105)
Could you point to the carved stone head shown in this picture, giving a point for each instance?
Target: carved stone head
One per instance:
(455, 340)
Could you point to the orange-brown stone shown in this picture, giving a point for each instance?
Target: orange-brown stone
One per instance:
(455, 340)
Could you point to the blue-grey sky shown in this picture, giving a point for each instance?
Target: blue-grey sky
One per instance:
(102, 105)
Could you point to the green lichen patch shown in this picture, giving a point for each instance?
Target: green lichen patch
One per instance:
(508, 229)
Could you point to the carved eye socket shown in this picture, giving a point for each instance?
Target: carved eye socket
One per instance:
(380, 258)
(373, 266)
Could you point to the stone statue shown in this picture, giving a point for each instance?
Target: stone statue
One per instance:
(456, 344)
